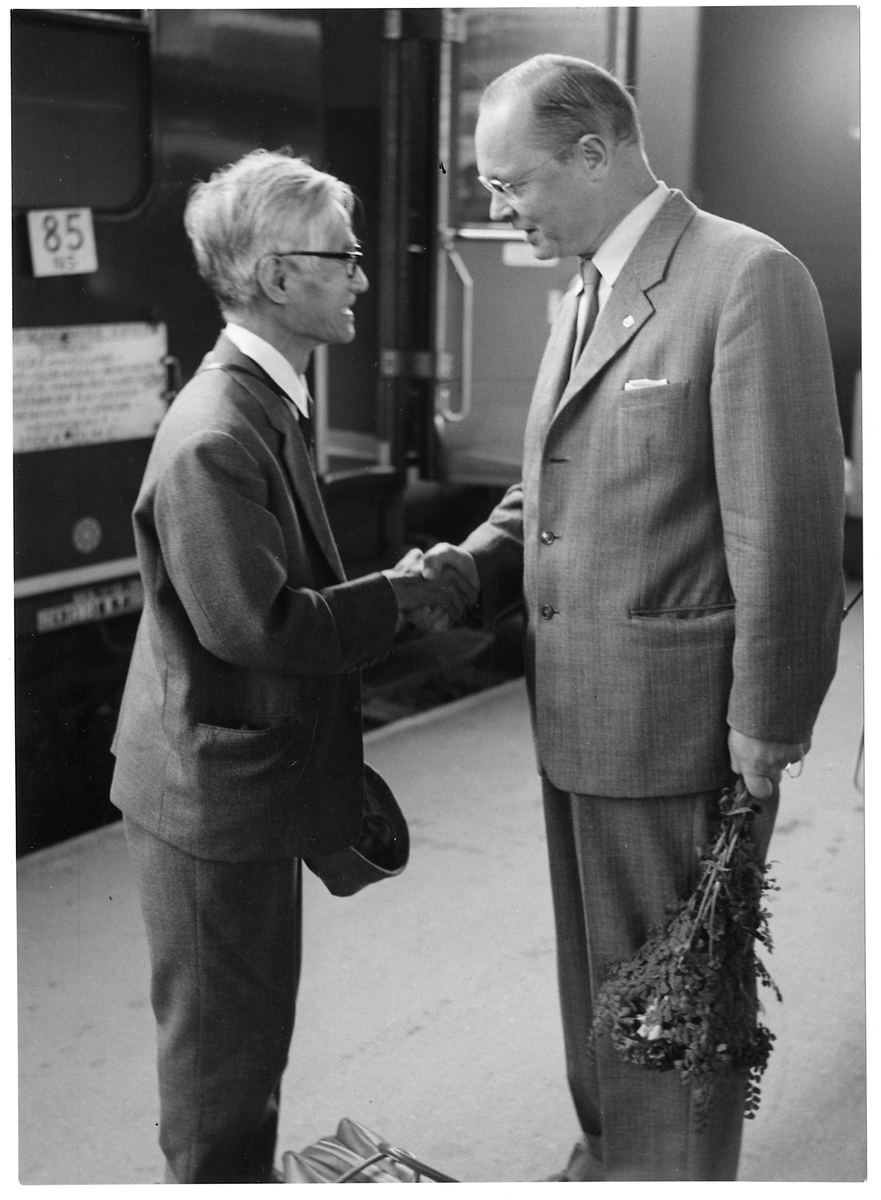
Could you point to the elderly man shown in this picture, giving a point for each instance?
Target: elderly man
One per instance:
(677, 541)
(239, 741)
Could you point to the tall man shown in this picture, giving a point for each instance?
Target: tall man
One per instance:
(239, 742)
(677, 540)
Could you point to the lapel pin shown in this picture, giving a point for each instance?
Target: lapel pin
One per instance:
(627, 322)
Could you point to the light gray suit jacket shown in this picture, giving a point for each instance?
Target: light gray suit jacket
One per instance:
(679, 546)
(239, 736)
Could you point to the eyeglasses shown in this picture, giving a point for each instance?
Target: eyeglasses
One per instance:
(352, 258)
(508, 191)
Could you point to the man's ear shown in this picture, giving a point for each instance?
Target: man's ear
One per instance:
(272, 276)
(594, 153)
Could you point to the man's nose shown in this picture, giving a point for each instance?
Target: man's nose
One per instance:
(500, 208)
(360, 282)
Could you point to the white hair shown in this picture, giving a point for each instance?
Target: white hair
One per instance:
(237, 217)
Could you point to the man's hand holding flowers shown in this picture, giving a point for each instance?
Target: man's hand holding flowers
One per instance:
(762, 763)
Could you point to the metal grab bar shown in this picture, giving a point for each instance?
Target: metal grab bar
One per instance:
(467, 345)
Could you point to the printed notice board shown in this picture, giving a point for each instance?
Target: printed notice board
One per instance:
(80, 385)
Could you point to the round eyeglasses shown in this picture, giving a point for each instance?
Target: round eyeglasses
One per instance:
(352, 258)
(508, 191)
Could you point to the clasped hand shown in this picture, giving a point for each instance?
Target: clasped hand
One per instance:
(434, 589)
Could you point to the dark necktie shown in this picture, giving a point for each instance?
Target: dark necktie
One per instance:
(307, 425)
(588, 308)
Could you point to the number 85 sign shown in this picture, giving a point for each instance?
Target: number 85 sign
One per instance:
(62, 241)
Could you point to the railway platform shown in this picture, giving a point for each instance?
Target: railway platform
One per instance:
(428, 1006)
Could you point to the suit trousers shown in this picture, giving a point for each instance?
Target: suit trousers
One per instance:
(224, 940)
(616, 865)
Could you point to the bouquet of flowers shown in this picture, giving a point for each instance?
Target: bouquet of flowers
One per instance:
(687, 1000)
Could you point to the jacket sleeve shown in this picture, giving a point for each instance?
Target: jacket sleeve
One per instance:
(497, 549)
(247, 589)
(779, 461)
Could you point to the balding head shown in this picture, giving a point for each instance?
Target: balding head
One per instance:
(569, 97)
(559, 147)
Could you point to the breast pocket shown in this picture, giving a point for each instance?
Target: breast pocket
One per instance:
(656, 395)
(661, 425)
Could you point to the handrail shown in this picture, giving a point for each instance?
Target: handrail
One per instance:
(464, 276)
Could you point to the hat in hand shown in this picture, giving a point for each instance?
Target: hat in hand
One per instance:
(379, 852)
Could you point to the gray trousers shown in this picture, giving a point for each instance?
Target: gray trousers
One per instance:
(616, 864)
(224, 943)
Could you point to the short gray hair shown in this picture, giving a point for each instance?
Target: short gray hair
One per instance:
(570, 97)
(238, 216)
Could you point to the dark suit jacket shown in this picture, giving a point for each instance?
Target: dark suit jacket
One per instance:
(240, 731)
(679, 545)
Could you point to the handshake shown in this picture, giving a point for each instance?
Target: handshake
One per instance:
(434, 589)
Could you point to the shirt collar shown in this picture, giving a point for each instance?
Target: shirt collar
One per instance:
(273, 363)
(621, 242)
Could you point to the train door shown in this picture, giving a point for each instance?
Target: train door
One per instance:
(494, 300)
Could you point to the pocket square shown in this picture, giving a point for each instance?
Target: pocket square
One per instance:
(634, 385)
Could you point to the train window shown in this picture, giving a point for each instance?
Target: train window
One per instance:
(80, 112)
(499, 38)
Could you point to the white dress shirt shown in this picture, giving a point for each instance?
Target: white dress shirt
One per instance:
(273, 363)
(610, 258)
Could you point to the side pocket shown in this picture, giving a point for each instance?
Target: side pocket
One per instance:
(239, 761)
(695, 613)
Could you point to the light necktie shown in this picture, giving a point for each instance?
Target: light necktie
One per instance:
(588, 308)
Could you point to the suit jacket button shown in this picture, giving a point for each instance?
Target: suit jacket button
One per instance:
(548, 537)
(546, 611)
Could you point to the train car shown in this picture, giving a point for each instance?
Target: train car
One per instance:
(116, 112)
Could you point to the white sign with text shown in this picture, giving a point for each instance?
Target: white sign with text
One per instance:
(80, 385)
